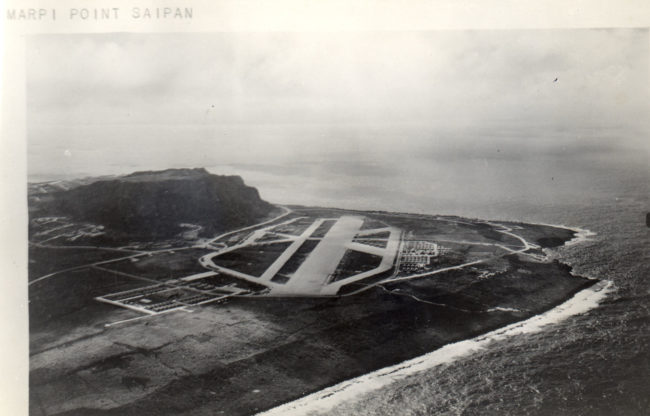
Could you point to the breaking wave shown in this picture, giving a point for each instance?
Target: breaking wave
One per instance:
(326, 399)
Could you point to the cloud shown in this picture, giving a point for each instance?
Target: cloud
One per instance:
(359, 77)
(297, 95)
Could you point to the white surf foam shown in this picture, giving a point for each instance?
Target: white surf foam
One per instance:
(326, 399)
(581, 234)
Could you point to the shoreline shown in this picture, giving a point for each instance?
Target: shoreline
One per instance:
(390, 356)
(577, 303)
(326, 399)
(581, 234)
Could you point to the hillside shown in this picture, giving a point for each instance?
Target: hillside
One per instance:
(155, 203)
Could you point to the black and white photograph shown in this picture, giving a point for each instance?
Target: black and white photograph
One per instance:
(343, 222)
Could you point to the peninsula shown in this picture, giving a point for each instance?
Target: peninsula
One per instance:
(183, 292)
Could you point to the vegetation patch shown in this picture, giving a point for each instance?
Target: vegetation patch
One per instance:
(355, 262)
(323, 229)
(253, 259)
(166, 265)
(223, 280)
(72, 291)
(298, 257)
(269, 237)
(373, 243)
(44, 260)
(294, 228)
(381, 234)
(370, 223)
(280, 278)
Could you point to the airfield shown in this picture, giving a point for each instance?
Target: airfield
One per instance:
(301, 256)
(335, 252)
(230, 324)
(304, 253)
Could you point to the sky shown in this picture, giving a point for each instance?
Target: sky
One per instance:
(361, 104)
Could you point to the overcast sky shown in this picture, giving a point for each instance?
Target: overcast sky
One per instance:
(113, 103)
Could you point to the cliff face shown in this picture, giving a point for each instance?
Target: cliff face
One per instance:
(155, 203)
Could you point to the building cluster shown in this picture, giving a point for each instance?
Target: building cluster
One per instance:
(416, 255)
